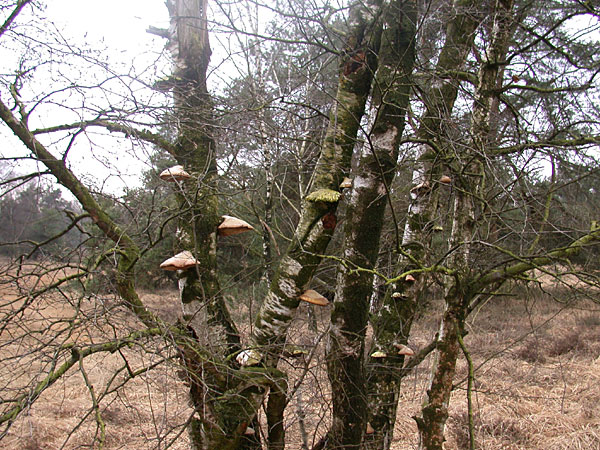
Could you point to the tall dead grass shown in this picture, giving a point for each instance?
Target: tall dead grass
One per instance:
(537, 380)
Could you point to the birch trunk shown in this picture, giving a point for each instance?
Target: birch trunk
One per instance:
(317, 221)
(468, 185)
(364, 219)
(393, 319)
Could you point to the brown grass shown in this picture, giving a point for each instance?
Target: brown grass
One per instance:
(537, 379)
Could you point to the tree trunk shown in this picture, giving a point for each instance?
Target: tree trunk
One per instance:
(393, 319)
(364, 220)
(469, 182)
(222, 418)
(317, 221)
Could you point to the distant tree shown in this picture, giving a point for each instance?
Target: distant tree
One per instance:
(37, 220)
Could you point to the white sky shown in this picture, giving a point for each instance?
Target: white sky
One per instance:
(118, 27)
(120, 24)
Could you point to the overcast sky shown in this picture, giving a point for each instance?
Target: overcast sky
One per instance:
(121, 24)
(118, 27)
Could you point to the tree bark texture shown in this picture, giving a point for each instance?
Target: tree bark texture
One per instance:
(225, 399)
(364, 220)
(469, 183)
(317, 221)
(393, 319)
(195, 150)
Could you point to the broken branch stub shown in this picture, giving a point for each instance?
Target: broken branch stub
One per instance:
(249, 357)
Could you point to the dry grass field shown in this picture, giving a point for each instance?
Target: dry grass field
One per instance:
(537, 380)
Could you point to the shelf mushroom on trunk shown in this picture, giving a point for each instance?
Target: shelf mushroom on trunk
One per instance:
(404, 350)
(175, 173)
(232, 225)
(346, 183)
(312, 296)
(181, 261)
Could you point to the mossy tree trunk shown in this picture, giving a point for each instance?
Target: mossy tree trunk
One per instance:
(195, 150)
(317, 220)
(392, 319)
(224, 401)
(469, 180)
(372, 179)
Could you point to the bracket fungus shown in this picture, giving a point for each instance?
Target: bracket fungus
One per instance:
(420, 189)
(181, 261)
(175, 173)
(232, 225)
(445, 179)
(404, 350)
(346, 183)
(314, 297)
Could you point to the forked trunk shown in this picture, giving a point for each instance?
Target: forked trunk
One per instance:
(469, 183)
(392, 320)
(364, 219)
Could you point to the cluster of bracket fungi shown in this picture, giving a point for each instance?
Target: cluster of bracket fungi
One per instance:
(232, 225)
(229, 226)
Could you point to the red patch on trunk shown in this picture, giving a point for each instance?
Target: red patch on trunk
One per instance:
(356, 62)
(329, 221)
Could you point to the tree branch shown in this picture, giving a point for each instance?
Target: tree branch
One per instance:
(126, 246)
(584, 140)
(76, 356)
(20, 5)
(128, 131)
(508, 272)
